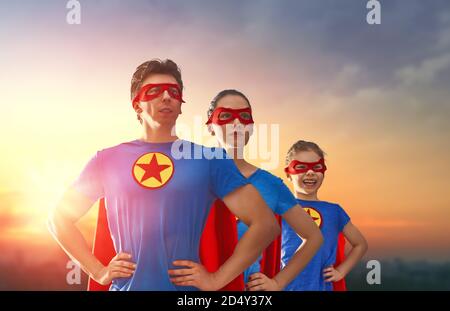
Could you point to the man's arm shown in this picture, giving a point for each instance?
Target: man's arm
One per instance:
(247, 204)
(61, 223)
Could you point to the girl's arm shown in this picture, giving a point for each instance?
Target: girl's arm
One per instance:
(359, 248)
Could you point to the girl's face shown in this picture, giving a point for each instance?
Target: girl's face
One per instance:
(233, 134)
(310, 181)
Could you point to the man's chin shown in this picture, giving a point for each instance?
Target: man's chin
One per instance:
(167, 120)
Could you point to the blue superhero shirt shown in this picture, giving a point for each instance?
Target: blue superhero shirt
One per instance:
(157, 202)
(276, 195)
(331, 219)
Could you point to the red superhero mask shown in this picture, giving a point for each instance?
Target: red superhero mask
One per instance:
(297, 167)
(223, 116)
(154, 90)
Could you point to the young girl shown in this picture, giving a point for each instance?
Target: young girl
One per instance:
(306, 170)
(230, 121)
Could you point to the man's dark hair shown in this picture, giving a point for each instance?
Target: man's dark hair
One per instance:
(150, 67)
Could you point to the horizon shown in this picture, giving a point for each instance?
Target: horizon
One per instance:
(374, 97)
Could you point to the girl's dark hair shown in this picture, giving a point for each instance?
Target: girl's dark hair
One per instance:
(221, 95)
(302, 145)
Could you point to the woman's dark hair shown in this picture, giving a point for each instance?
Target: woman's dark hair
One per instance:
(221, 95)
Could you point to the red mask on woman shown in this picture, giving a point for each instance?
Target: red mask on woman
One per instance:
(223, 116)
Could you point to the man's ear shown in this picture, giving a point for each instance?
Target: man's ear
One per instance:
(180, 111)
(288, 176)
(210, 130)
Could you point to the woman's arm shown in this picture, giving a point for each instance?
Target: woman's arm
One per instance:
(305, 227)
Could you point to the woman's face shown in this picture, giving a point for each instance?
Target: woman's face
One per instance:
(233, 134)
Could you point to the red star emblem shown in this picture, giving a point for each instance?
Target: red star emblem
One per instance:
(315, 215)
(309, 213)
(152, 169)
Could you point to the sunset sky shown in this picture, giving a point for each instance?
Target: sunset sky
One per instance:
(374, 97)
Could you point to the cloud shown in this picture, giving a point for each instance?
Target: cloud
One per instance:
(424, 73)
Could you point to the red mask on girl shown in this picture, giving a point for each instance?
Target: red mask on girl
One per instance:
(297, 167)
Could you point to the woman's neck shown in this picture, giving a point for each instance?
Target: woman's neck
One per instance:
(243, 166)
(236, 153)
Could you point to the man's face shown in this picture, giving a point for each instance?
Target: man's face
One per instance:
(163, 109)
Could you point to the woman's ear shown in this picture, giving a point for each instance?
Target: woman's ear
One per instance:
(250, 129)
(137, 108)
(210, 130)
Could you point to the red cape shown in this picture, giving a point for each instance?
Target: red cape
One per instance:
(219, 239)
(103, 245)
(217, 243)
(340, 257)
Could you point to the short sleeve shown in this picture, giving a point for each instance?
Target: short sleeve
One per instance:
(225, 176)
(89, 182)
(343, 218)
(285, 199)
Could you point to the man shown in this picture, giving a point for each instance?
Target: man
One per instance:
(157, 202)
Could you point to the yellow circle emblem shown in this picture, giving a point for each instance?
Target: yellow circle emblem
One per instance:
(315, 215)
(153, 170)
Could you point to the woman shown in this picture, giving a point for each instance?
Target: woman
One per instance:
(230, 120)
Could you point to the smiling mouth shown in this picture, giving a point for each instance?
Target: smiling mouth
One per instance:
(310, 182)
